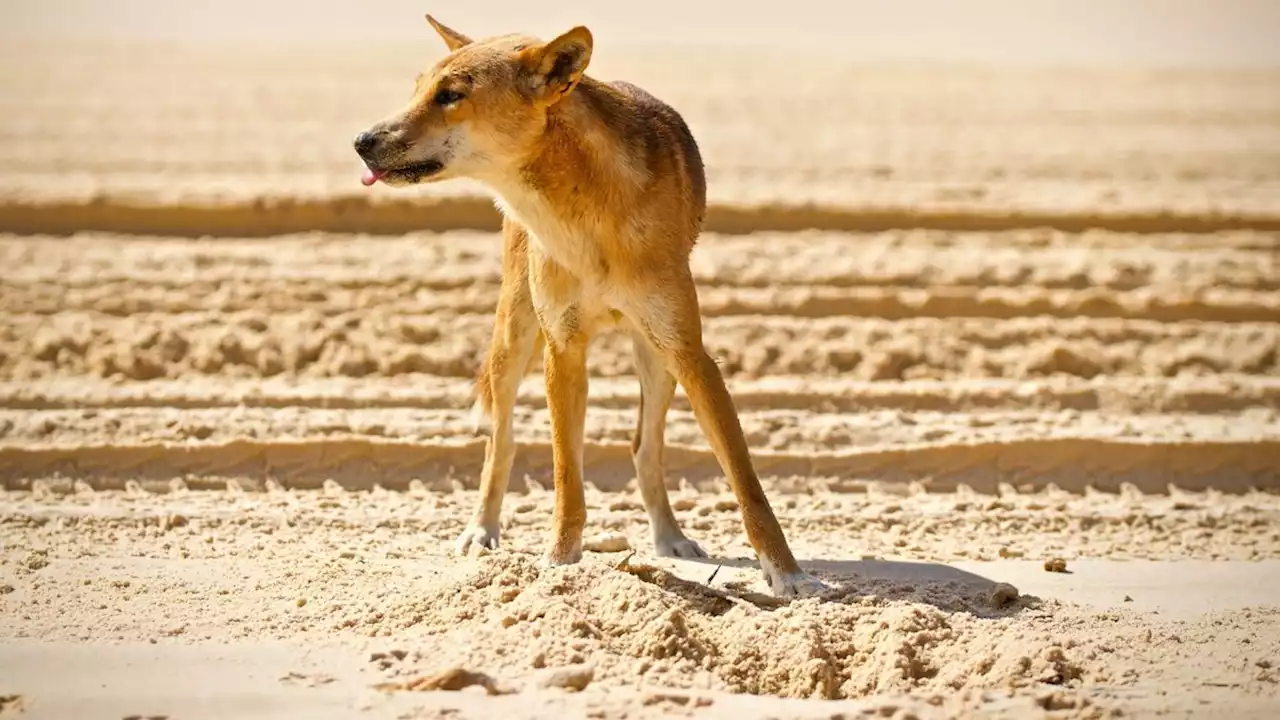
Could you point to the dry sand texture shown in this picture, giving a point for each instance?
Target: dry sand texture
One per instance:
(976, 317)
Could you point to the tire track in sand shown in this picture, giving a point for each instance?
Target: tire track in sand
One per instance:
(153, 358)
(1073, 464)
(1219, 394)
(382, 343)
(354, 214)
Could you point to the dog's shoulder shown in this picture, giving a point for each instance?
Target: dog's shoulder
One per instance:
(651, 131)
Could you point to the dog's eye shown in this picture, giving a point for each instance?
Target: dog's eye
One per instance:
(447, 97)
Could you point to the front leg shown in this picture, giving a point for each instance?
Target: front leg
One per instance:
(556, 295)
(515, 339)
(566, 364)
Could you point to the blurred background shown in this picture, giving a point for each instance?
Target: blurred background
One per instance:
(1039, 105)
(1092, 32)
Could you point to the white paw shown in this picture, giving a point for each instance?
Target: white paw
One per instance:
(791, 585)
(797, 585)
(476, 537)
(678, 546)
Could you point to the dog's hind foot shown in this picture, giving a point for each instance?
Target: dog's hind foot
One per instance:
(796, 584)
(678, 546)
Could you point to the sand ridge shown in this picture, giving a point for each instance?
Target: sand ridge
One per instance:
(149, 358)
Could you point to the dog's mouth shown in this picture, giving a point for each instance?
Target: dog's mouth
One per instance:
(412, 173)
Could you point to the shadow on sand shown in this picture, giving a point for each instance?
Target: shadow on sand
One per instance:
(942, 586)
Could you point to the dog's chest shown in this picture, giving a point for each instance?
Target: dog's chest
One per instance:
(571, 244)
(576, 298)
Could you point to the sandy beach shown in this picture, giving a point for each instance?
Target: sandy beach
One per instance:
(989, 301)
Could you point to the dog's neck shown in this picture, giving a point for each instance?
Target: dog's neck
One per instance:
(579, 156)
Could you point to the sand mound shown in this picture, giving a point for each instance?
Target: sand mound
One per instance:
(642, 625)
(371, 577)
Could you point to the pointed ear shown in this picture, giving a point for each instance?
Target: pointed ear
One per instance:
(558, 66)
(452, 38)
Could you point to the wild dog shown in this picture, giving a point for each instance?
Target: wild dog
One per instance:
(603, 193)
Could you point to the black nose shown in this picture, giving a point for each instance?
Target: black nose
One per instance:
(365, 142)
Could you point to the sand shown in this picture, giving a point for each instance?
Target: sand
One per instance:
(980, 318)
(287, 602)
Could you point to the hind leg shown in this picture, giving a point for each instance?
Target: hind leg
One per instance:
(515, 340)
(672, 323)
(657, 387)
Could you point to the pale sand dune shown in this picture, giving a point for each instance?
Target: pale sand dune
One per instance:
(992, 284)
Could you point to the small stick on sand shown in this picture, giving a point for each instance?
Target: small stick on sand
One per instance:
(714, 573)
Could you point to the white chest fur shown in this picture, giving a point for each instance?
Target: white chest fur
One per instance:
(583, 306)
(571, 246)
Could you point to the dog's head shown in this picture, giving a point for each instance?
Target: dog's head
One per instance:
(478, 111)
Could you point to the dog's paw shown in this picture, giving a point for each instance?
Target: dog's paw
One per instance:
(563, 553)
(678, 546)
(798, 584)
(476, 537)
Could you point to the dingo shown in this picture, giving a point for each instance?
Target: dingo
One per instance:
(602, 190)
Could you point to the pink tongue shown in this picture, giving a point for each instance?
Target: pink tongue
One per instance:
(371, 176)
